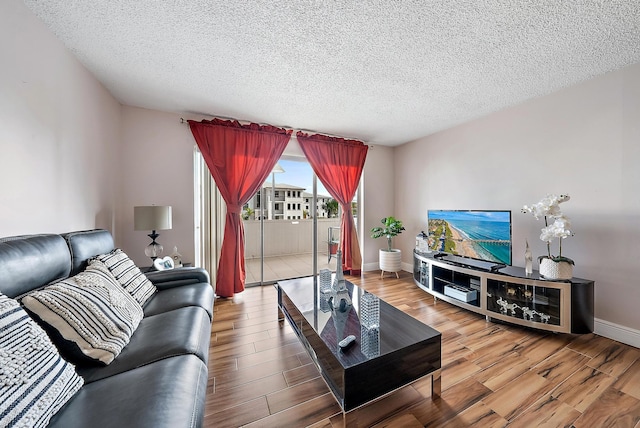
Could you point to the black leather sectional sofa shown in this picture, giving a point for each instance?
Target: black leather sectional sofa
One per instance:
(160, 377)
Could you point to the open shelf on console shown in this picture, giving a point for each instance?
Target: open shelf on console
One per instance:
(456, 284)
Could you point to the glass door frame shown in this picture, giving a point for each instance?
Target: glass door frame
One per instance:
(314, 237)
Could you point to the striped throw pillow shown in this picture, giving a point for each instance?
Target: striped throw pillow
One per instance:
(35, 382)
(90, 310)
(127, 274)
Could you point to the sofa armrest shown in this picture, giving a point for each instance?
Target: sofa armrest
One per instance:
(176, 277)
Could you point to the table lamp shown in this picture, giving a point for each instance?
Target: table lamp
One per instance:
(152, 218)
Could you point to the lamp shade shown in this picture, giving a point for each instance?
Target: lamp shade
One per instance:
(152, 218)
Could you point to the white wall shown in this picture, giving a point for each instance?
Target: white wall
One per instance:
(60, 133)
(584, 141)
(378, 184)
(156, 169)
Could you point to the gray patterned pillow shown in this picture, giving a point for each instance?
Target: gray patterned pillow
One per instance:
(35, 382)
(91, 310)
(127, 274)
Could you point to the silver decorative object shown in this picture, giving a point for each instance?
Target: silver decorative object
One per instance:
(528, 313)
(544, 317)
(370, 342)
(528, 260)
(339, 281)
(324, 302)
(325, 281)
(340, 305)
(369, 311)
(505, 306)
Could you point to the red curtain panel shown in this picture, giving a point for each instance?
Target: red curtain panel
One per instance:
(240, 158)
(338, 163)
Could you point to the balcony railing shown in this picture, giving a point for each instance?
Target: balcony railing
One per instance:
(286, 237)
(288, 249)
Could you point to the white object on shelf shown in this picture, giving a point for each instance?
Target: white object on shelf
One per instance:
(461, 293)
(177, 257)
(528, 260)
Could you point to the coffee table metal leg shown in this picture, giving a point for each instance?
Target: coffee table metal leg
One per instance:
(436, 384)
(280, 315)
(349, 419)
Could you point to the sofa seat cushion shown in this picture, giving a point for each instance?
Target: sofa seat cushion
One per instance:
(168, 393)
(127, 274)
(198, 294)
(91, 311)
(180, 332)
(35, 382)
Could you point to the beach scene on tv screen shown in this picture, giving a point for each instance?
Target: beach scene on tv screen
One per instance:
(484, 235)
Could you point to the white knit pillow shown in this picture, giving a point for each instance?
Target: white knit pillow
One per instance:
(91, 310)
(35, 382)
(127, 274)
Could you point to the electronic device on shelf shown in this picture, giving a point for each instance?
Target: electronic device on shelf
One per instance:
(475, 238)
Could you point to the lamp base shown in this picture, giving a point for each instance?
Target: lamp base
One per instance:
(154, 249)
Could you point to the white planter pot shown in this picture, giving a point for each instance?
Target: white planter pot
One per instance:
(390, 261)
(555, 270)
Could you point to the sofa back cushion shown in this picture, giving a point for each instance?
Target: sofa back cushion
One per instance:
(32, 261)
(86, 244)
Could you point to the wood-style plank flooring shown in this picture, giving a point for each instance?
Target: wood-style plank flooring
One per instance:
(493, 375)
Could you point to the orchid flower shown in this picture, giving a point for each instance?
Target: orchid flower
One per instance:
(549, 209)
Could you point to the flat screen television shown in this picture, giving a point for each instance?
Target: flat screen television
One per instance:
(480, 235)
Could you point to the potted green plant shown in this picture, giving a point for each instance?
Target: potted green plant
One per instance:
(389, 258)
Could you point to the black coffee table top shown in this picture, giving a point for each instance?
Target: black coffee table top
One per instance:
(400, 350)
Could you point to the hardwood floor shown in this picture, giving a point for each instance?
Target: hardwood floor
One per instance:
(493, 375)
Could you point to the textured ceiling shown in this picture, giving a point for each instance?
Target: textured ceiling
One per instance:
(383, 71)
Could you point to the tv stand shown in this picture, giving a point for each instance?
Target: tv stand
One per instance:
(507, 293)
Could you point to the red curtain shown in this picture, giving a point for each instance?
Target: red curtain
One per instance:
(240, 158)
(338, 163)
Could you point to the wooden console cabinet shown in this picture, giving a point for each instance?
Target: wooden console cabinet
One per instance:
(508, 294)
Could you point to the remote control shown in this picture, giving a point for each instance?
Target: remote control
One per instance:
(346, 342)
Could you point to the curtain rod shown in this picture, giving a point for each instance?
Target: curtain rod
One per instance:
(184, 122)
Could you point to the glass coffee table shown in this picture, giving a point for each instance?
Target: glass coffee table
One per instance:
(391, 349)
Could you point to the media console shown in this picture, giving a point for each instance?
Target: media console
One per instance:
(508, 294)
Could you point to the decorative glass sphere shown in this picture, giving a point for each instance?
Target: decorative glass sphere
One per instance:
(153, 250)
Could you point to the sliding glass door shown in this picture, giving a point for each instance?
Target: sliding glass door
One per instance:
(291, 224)
(287, 226)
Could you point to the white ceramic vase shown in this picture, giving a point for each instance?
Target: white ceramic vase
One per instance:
(550, 269)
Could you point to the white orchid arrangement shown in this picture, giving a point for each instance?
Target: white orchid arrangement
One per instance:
(549, 209)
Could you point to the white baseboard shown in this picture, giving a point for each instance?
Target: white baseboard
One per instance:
(617, 332)
(368, 267)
